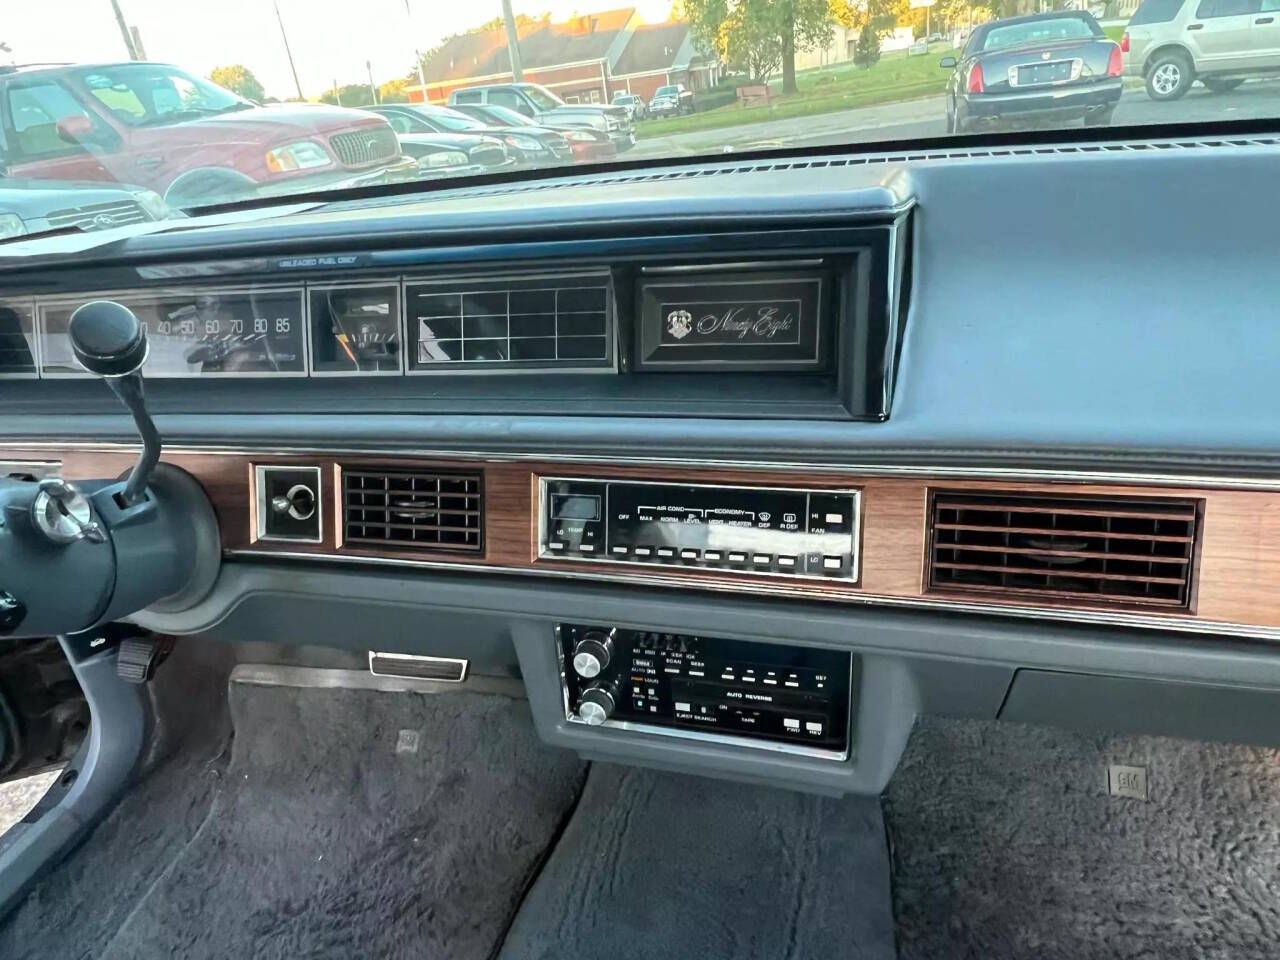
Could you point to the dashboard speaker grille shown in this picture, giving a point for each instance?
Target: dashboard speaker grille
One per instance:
(419, 509)
(1085, 550)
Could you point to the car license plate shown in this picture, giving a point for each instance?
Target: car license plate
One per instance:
(1044, 73)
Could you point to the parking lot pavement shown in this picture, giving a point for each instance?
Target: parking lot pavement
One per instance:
(918, 119)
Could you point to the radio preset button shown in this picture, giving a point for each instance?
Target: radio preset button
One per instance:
(688, 554)
(666, 551)
(736, 557)
(791, 723)
(644, 551)
(762, 559)
(712, 556)
(814, 728)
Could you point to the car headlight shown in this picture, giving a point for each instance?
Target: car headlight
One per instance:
(153, 205)
(579, 136)
(303, 155)
(523, 143)
(11, 225)
(443, 158)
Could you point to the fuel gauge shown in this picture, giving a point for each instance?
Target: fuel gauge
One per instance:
(355, 329)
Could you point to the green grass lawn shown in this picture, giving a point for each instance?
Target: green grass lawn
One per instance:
(823, 90)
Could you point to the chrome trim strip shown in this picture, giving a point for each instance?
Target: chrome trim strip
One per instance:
(733, 265)
(1018, 474)
(459, 666)
(800, 594)
(330, 678)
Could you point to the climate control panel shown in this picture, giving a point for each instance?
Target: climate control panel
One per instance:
(743, 530)
(765, 695)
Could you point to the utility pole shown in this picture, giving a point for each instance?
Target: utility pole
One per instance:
(417, 53)
(287, 52)
(513, 43)
(337, 93)
(373, 91)
(124, 30)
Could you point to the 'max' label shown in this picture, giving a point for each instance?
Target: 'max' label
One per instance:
(1125, 781)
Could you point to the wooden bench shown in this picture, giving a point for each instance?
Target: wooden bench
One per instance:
(748, 96)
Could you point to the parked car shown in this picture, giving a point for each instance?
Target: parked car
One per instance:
(585, 145)
(1049, 67)
(187, 139)
(527, 147)
(671, 100)
(454, 154)
(634, 103)
(1173, 43)
(38, 206)
(541, 105)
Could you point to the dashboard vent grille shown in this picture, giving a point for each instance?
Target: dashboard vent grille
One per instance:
(1092, 550)
(413, 509)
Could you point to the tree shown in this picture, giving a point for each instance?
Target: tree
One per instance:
(239, 79)
(866, 52)
(349, 95)
(393, 91)
(758, 36)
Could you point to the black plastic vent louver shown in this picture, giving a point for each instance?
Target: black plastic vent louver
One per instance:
(1091, 550)
(416, 509)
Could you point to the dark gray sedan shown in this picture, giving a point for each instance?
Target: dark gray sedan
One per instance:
(1024, 71)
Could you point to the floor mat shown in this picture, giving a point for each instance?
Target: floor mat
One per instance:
(657, 866)
(1006, 845)
(356, 823)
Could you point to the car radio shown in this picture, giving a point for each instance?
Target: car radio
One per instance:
(749, 530)
(764, 695)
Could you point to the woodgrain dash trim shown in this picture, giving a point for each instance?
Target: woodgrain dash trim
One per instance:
(1238, 583)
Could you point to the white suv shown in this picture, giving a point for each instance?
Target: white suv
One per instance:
(1173, 43)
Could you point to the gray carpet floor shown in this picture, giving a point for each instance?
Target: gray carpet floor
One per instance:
(659, 866)
(347, 823)
(1007, 846)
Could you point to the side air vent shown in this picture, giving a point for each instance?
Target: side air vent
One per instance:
(415, 509)
(1089, 550)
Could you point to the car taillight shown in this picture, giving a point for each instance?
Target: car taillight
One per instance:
(974, 84)
(1124, 42)
(1115, 65)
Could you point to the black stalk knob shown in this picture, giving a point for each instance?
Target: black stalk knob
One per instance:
(107, 338)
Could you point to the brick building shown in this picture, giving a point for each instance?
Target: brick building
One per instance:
(584, 60)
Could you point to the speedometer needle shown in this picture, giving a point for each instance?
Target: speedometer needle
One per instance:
(342, 339)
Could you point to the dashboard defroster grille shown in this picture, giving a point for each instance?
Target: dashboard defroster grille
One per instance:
(1091, 550)
(415, 509)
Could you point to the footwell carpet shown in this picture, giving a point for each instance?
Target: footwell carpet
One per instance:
(354, 823)
(1006, 845)
(659, 866)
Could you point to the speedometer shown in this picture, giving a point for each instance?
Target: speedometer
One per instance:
(212, 332)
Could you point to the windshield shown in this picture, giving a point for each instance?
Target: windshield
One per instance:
(452, 119)
(505, 116)
(543, 98)
(1038, 31)
(141, 94)
(208, 102)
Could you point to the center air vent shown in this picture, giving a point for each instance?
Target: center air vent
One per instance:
(1092, 550)
(413, 509)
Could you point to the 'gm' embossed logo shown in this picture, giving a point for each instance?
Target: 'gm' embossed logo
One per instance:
(679, 323)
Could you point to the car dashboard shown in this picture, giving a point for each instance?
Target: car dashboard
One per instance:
(741, 466)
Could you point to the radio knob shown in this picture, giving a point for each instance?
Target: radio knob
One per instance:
(597, 703)
(592, 654)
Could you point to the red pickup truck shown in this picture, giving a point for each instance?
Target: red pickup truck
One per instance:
(189, 140)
